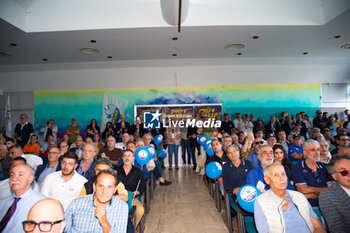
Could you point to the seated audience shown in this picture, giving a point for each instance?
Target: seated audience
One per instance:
(46, 215)
(64, 147)
(310, 176)
(280, 210)
(46, 145)
(133, 180)
(282, 139)
(121, 127)
(253, 156)
(32, 147)
(9, 142)
(67, 184)
(51, 166)
(226, 142)
(325, 155)
(98, 212)
(122, 145)
(111, 152)
(33, 161)
(281, 157)
(86, 165)
(92, 129)
(5, 162)
(109, 130)
(273, 126)
(335, 200)
(104, 165)
(77, 146)
(235, 171)
(52, 144)
(15, 208)
(49, 129)
(96, 140)
(343, 147)
(256, 176)
(271, 140)
(295, 151)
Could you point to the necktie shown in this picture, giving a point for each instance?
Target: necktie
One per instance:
(9, 214)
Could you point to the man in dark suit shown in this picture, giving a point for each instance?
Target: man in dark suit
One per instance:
(121, 127)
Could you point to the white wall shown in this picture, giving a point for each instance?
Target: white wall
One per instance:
(190, 72)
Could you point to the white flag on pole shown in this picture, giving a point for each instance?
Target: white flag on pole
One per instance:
(113, 106)
(8, 118)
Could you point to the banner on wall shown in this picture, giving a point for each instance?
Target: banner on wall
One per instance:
(184, 113)
(113, 106)
(8, 118)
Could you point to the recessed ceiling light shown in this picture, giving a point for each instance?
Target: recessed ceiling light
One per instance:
(346, 46)
(305, 53)
(234, 46)
(109, 57)
(89, 50)
(13, 44)
(174, 54)
(44, 59)
(255, 37)
(174, 38)
(4, 54)
(93, 41)
(239, 54)
(337, 36)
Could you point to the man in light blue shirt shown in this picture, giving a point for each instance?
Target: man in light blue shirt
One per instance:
(21, 177)
(98, 212)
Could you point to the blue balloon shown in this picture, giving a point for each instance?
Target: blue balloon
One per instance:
(208, 141)
(142, 155)
(161, 153)
(201, 139)
(246, 197)
(213, 170)
(158, 139)
(152, 151)
(209, 150)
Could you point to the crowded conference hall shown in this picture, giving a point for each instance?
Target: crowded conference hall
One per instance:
(174, 116)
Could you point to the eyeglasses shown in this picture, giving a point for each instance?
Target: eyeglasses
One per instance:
(257, 143)
(45, 226)
(344, 172)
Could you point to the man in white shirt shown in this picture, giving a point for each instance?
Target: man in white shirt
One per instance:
(33, 161)
(125, 140)
(67, 184)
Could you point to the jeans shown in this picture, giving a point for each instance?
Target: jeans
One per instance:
(185, 145)
(193, 153)
(173, 149)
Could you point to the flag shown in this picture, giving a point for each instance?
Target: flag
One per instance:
(113, 106)
(8, 118)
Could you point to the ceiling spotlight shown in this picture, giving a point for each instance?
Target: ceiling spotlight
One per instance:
(305, 53)
(174, 38)
(234, 46)
(337, 36)
(346, 46)
(13, 44)
(44, 59)
(89, 50)
(255, 37)
(4, 54)
(239, 54)
(174, 54)
(93, 41)
(109, 57)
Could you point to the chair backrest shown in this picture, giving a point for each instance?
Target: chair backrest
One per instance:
(130, 199)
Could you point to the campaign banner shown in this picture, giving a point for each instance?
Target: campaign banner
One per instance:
(113, 106)
(208, 111)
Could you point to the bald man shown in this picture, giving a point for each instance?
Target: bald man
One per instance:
(49, 214)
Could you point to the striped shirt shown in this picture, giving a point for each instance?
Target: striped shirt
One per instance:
(80, 216)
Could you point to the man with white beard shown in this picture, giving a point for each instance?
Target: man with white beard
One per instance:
(256, 176)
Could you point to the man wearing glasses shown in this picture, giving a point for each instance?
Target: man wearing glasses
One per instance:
(310, 176)
(67, 184)
(14, 208)
(46, 215)
(335, 200)
(48, 167)
(253, 156)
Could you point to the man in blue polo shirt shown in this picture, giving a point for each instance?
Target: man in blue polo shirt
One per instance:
(310, 176)
(256, 176)
(295, 151)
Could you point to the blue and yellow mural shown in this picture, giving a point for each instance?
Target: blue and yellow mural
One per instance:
(262, 100)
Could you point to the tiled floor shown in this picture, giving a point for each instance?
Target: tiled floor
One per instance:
(183, 207)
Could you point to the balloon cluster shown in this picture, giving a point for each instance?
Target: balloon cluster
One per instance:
(144, 154)
(206, 143)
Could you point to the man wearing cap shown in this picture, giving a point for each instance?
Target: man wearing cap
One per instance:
(281, 210)
(295, 151)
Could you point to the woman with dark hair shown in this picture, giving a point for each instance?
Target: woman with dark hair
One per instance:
(282, 158)
(260, 125)
(109, 130)
(92, 129)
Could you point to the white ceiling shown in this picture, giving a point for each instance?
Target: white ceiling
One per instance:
(134, 30)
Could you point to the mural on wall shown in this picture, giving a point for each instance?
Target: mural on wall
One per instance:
(262, 100)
